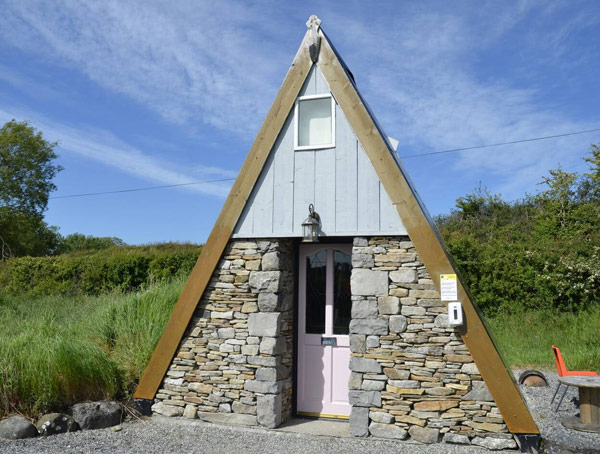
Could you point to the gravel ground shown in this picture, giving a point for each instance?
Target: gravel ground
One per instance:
(557, 438)
(164, 435)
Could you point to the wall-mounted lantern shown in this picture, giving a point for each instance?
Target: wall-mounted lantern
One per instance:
(310, 226)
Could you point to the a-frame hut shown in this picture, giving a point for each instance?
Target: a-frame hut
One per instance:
(350, 326)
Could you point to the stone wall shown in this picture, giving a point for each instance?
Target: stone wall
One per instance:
(411, 374)
(234, 363)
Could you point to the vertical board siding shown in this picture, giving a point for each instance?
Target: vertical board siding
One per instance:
(263, 202)
(346, 182)
(388, 215)
(341, 183)
(321, 86)
(244, 226)
(304, 186)
(310, 85)
(283, 180)
(325, 189)
(368, 194)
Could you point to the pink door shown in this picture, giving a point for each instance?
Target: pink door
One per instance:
(323, 324)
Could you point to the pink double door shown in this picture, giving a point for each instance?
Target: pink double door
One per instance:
(324, 306)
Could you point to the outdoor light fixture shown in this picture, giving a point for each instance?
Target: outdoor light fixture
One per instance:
(310, 226)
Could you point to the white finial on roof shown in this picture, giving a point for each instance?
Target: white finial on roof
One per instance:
(314, 41)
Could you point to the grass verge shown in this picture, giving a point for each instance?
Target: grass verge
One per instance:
(57, 350)
(525, 338)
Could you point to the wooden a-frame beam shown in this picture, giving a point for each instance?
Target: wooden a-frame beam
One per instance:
(427, 241)
(225, 224)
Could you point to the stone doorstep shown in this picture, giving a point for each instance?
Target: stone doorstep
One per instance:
(341, 429)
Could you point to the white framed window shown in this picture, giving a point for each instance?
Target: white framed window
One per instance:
(314, 122)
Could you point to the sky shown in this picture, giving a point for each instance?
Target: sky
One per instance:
(148, 93)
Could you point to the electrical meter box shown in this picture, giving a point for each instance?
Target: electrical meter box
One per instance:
(455, 314)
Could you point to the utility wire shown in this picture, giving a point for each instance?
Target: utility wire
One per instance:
(139, 189)
(454, 150)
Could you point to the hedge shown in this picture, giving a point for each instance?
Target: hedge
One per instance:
(92, 273)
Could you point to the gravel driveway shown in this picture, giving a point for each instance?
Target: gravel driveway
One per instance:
(176, 435)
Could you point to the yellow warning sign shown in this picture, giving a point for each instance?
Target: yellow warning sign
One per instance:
(448, 287)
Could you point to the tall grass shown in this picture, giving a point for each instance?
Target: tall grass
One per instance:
(525, 338)
(58, 350)
(55, 351)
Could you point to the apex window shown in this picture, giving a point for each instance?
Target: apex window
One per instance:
(314, 122)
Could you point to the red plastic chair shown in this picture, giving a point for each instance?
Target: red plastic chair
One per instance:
(561, 367)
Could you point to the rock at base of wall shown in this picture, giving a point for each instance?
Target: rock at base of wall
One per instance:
(167, 410)
(17, 427)
(424, 434)
(268, 410)
(190, 412)
(238, 419)
(456, 439)
(387, 431)
(359, 422)
(56, 423)
(98, 415)
(494, 443)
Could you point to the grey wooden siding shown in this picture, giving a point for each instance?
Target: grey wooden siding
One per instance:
(340, 182)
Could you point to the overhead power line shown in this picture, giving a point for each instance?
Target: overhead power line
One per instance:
(454, 150)
(139, 189)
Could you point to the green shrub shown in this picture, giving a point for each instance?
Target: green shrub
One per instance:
(120, 269)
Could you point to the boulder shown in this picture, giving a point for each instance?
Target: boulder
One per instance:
(56, 423)
(98, 415)
(17, 427)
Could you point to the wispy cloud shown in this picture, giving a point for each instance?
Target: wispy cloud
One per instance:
(430, 94)
(419, 65)
(104, 147)
(185, 62)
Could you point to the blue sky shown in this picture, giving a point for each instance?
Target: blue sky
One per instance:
(145, 93)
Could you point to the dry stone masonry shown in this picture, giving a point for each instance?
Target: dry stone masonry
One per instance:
(235, 362)
(412, 376)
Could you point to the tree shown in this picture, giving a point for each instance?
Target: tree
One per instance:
(27, 167)
(80, 242)
(590, 187)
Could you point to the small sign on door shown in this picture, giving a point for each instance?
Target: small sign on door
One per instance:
(329, 341)
(448, 287)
